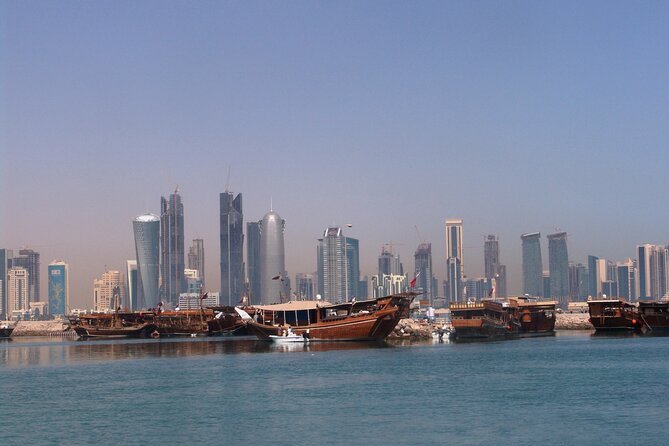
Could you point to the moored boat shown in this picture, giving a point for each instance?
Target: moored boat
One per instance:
(116, 325)
(5, 331)
(485, 320)
(654, 317)
(536, 318)
(182, 322)
(613, 315)
(368, 320)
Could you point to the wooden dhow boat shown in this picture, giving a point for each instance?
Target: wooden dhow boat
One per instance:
(536, 318)
(654, 317)
(613, 315)
(485, 320)
(368, 320)
(114, 325)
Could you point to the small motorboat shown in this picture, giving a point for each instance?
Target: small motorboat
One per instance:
(288, 335)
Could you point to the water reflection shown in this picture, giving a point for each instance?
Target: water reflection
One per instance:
(25, 352)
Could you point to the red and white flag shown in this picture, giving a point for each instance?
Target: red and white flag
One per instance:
(412, 284)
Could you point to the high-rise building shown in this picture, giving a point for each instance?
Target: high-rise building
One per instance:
(389, 263)
(196, 258)
(232, 248)
(59, 288)
(653, 274)
(305, 286)
(29, 260)
(423, 271)
(273, 276)
(106, 290)
(253, 261)
(17, 290)
(645, 253)
(6, 256)
(495, 272)
(147, 248)
(594, 282)
(132, 285)
(173, 264)
(338, 259)
(532, 265)
(455, 259)
(626, 273)
(578, 284)
(558, 262)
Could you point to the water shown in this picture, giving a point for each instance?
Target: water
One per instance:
(570, 389)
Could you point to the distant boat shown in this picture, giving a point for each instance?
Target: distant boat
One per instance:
(536, 317)
(654, 317)
(115, 325)
(368, 320)
(6, 331)
(485, 320)
(613, 315)
(289, 335)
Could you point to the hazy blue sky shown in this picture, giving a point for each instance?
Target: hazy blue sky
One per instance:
(514, 116)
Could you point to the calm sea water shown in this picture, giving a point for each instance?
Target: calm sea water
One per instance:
(570, 389)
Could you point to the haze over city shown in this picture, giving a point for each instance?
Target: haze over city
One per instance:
(515, 117)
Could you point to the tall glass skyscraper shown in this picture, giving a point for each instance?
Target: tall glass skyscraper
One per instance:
(29, 260)
(494, 270)
(532, 266)
(454, 260)
(338, 259)
(423, 271)
(305, 286)
(232, 248)
(59, 288)
(558, 263)
(253, 260)
(5, 263)
(147, 247)
(272, 260)
(196, 258)
(132, 285)
(389, 263)
(172, 248)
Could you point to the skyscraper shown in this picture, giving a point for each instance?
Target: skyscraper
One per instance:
(17, 290)
(389, 263)
(423, 271)
(104, 290)
(232, 248)
(272, 260)
(196, 258)
(59, 288)
(305, 286)
(594, 282)
(626, 280)
(132, 285)
(5, 263)
(147, 248)
(454, 259)
(172, 248)
(532, 266)
(495, 272)
(558, 262)
(338, 259)
(29, 260)
(653, 274)
(253, 260)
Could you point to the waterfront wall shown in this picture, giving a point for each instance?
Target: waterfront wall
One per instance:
(40, 328)
(573, 321)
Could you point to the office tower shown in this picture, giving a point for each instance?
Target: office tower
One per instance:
(532, 265)
(29, 260)
(232, 248)
(305, 286)
(17, 290)
(59, 288)
(6, 256)
(454, 259)
(546, 281)
(594, 287)
(495, 272)
(253, 261)
(423, 271)
(626, 280)
(193, 282)
(558, 262)
(363, 288)
(132, 285)
(653, 274)
(172, 248)
(196, 258)
(273, 276)
(576, 281)
(147, 248)
(389, 263)
(106, 291)
(338, 259)
(644, 252)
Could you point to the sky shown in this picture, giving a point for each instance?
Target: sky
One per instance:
(515, 116)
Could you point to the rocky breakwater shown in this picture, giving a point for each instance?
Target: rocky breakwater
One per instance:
(408, 329)
(41, 328)
(573, 321)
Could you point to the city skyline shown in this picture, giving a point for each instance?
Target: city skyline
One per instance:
(508, 116)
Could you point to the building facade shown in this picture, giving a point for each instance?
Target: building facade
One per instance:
(532, 265)
(172, 257)
(274, 286)
(132, 285)
(423, 271)
(147, 248)
(106, 291)
(6, 256)
(338, 259)
(253, 261)
(59, 288)
(30, 260)
(232, 248)
(196, 258)
(305, 286)
(558, 263)
(455, 260)
(17, 290)
(495, 272)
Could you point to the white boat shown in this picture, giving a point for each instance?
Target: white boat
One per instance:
(288, 335)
